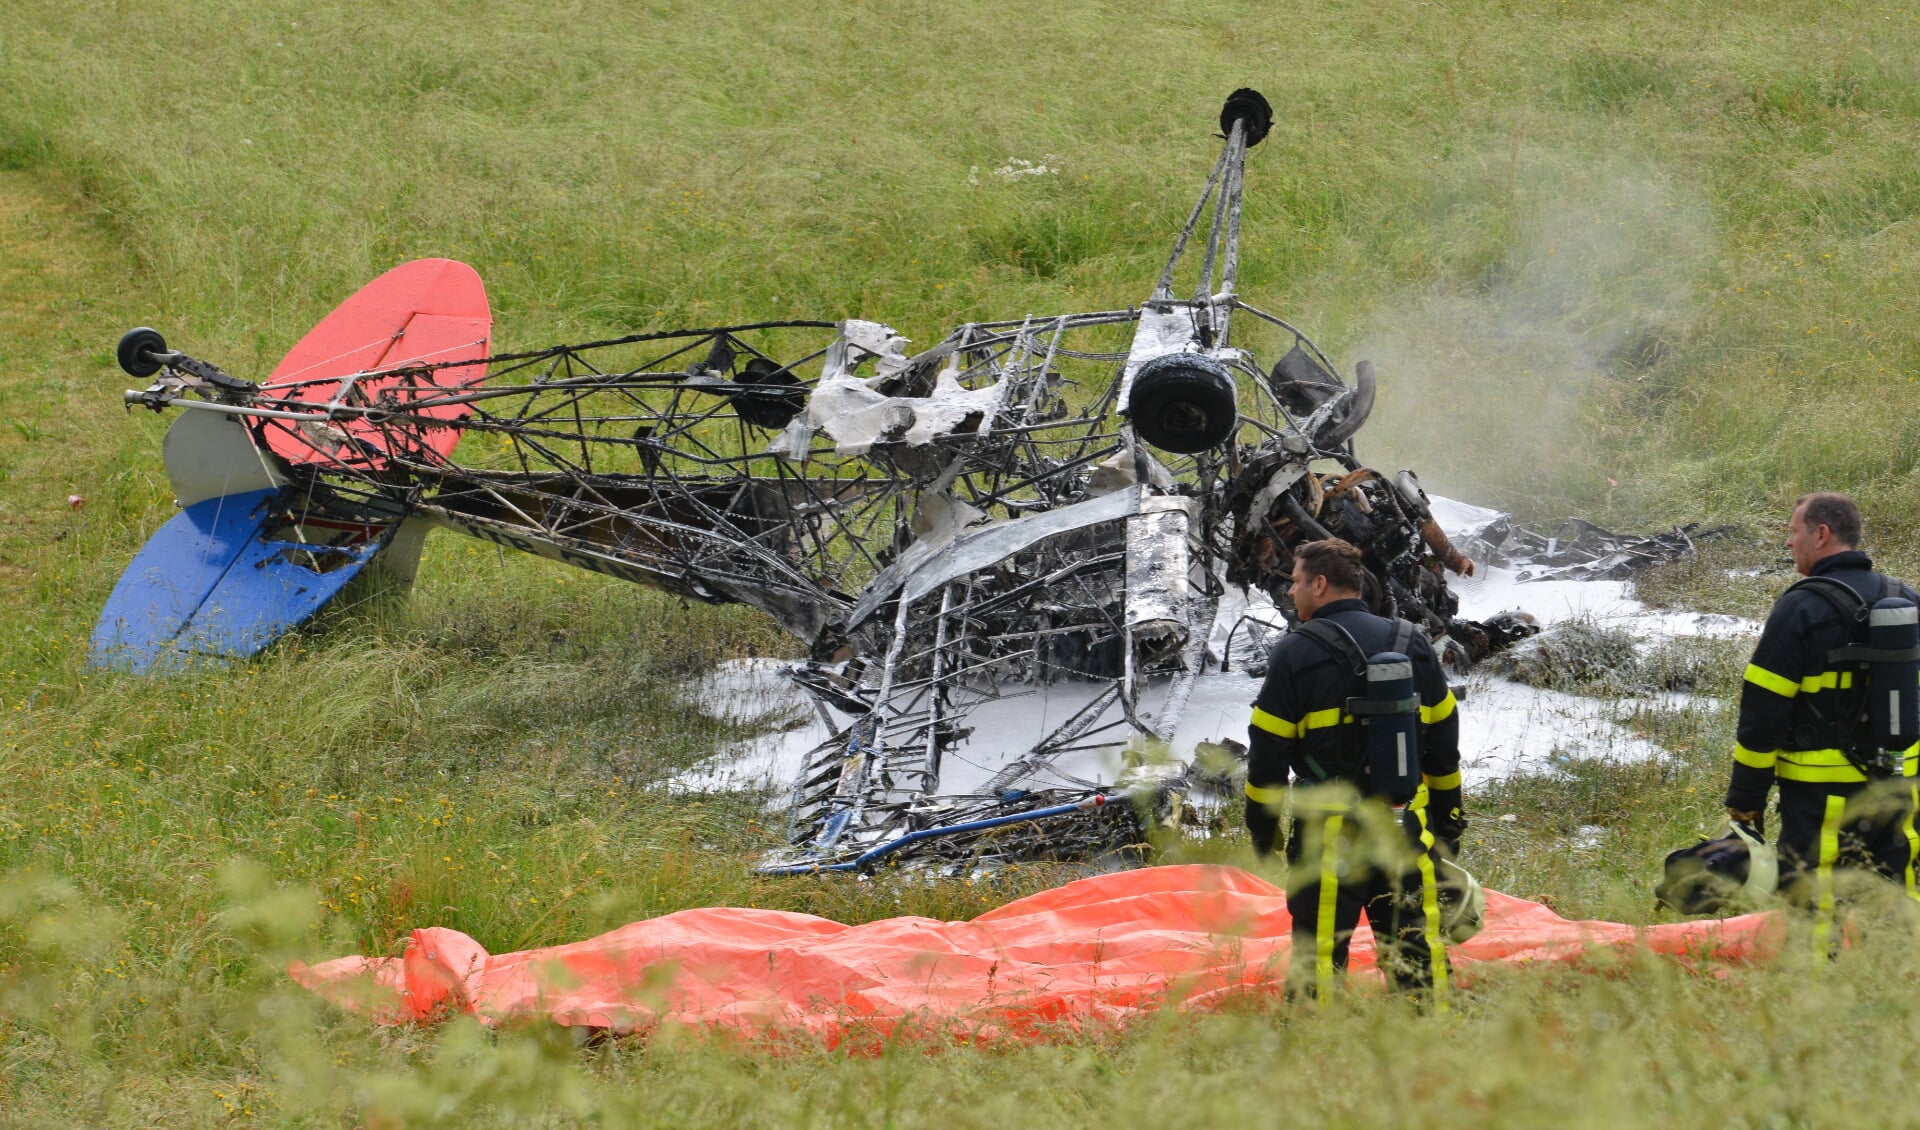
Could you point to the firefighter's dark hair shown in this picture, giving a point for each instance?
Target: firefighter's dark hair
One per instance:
(1336, 560)
(1834, 511)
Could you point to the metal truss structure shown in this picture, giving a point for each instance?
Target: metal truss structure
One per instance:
(1063, 502)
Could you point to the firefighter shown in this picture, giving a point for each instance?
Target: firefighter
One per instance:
(1357, 841)
(1847, 799)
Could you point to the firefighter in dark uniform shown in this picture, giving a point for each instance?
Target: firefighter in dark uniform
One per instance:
(1349, 848)
(1841, 803)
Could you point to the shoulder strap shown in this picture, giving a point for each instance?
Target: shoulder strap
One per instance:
(1853, 609)
(1842, 729)
(1851, 606)
(1403, 637)
(1861, 650)
(1337, 640)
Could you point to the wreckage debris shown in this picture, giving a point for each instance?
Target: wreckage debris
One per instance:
(1582, 551)
(1019, 510)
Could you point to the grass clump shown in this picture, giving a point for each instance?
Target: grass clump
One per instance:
(1587, 657)
(1575, 653)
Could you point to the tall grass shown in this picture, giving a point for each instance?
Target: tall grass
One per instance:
(1572, 240)
(1646, 262)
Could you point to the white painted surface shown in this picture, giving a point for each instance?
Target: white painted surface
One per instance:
(212, 455)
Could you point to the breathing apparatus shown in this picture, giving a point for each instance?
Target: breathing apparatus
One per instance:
(1390, 711)
(1893, 682)
(1886, 669)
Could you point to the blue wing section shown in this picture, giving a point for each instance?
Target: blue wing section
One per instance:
(212, 584)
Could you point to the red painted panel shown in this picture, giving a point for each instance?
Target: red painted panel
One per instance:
(423, 312)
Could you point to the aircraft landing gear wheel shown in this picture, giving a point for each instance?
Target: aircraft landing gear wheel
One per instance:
(1183, 403)
(134, 347)
(1249, 108)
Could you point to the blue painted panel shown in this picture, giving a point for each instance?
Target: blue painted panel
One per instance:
(210, 584)
(273, 588)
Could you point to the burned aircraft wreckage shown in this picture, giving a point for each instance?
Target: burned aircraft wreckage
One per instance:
(1078, 501)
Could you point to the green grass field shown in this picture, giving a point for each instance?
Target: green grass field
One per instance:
(1647, 263)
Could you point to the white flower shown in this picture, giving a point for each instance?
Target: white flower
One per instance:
(1015, 168)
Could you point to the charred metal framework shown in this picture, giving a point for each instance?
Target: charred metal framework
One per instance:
(1051, 501)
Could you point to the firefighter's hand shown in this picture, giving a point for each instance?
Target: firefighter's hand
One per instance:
(1447, 818)
(1753, 823)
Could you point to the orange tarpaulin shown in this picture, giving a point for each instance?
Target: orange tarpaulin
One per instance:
(1100, 951)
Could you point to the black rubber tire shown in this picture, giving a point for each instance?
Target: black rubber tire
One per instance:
(1250, 107)
(134, 346)
(1183, 403)
(771, 396)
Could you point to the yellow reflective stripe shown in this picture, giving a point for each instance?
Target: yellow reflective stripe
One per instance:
(1813, 757)
(1823, 877)
(1321, 719)
(1317, 720)
(1418, 806)
(1260, 794)
(1766, 680)
(1754, 759)
(1430, 902)
(1274, 724)
(1323, 929)
(1819, 775)
(1431, 714)
(1817, 766)
(1786, 688)
(1913, 837)
(1450, 781)
(1831, 767)
(1822, 766)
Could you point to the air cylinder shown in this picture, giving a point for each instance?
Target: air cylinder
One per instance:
(1893, 698)
(1392, 719)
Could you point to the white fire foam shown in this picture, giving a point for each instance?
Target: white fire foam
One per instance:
(1506, 728)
